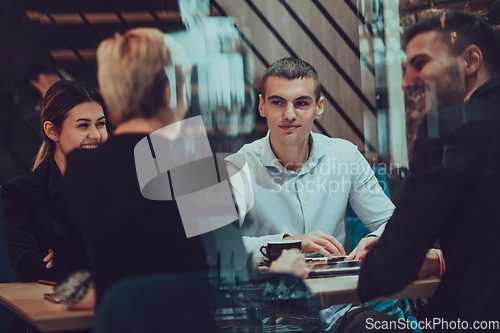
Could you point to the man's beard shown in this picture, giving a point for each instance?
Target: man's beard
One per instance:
(450, 91)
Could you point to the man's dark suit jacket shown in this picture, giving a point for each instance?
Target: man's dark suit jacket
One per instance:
(30, 204)
(453, 195)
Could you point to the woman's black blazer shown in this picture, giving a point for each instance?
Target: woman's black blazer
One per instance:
(30, 204)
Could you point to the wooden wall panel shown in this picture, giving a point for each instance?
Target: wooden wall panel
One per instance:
(290, 31)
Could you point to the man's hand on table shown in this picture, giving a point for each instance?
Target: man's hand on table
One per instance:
(364, 246)
(320, 242)
(48, 259)
(290, 262)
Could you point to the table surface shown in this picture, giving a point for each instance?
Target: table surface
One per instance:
(26, 300)
(342, 290)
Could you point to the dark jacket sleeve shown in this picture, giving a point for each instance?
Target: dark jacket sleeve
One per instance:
(20, 237)
(423, 209)
(69, 251)
(429, 201)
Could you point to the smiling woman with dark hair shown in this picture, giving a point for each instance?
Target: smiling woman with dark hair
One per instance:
(58, 105)
(72, 118)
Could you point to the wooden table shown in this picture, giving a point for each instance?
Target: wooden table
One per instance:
(26, 300)
(342, 290)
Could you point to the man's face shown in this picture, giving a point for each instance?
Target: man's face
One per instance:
(432, 77)
(290, 108)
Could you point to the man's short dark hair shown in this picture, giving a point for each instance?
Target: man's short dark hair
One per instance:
(35, 70)
(458, 30)
(291, 69)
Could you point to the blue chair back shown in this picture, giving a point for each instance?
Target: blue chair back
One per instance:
(356, 230)
(157, 303)
(6, 275)
(6, 272)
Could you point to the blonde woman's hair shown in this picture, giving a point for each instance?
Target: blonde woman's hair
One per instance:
(131, 72)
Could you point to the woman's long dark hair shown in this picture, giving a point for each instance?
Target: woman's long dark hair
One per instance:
(61, 97)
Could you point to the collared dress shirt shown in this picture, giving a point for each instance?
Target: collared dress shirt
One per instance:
(273, 201)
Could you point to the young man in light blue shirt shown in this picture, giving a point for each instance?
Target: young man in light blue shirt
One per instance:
(298, 183)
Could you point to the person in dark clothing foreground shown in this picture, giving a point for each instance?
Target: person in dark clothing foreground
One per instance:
(451, 72)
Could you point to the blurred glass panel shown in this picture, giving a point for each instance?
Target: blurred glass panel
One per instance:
(220, 93)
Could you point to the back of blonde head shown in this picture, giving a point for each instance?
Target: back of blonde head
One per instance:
(131, 72)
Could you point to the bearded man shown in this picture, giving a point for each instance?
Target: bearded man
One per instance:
(451, 72)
